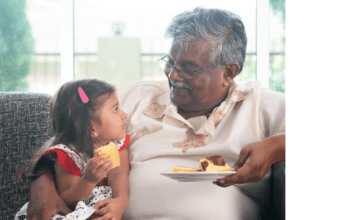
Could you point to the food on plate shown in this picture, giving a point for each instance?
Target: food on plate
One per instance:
(214, 163)
(185, 169)
(110, 151)
(207, 164)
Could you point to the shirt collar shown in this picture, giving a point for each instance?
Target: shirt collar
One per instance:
(162, 103)
(157, 108)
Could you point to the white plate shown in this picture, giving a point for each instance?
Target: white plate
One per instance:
(197, 176)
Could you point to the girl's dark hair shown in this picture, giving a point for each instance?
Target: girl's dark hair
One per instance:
(71, 121)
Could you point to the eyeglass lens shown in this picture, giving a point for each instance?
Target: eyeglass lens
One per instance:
(168, 67)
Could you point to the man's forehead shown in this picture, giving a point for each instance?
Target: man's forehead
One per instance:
(195, 51)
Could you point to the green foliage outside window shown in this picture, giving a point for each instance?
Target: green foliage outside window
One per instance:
(16, 45)
(277, 62)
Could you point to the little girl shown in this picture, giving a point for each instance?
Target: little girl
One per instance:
(85, 115)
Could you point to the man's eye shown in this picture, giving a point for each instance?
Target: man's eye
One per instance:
(169, 60)
(187, 71)
(168, 65)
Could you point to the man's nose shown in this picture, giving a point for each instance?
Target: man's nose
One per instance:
(175, 74)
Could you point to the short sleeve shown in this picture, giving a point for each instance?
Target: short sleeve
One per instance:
(64, 160)
(272, 112)
(122, 143)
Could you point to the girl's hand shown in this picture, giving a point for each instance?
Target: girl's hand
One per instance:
(110, 209)
(97, 168)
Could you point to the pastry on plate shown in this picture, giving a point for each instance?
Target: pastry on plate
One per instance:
(214, 163)
(207, 164)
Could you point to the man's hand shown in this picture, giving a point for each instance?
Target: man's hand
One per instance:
(110, 209)
(45, 202)
(255, 160)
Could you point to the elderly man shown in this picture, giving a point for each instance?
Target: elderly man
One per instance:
(201, 112)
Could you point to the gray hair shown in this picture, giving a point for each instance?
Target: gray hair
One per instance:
(221, 29)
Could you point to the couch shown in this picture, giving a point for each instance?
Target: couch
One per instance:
(25, 125)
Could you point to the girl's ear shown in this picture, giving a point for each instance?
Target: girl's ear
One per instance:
(94, 133)
(230, 71)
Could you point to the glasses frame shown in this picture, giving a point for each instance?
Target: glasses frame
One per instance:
(183, 73)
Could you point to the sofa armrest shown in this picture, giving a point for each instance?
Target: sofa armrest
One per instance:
(24, 126)
(276, 209)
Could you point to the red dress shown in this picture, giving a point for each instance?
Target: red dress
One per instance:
(75, 163)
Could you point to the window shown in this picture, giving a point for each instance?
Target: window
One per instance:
(36, 61)
(100, 40)
(94, 28)
(277, 45)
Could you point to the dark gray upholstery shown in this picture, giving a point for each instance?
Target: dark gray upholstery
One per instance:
(25, 125)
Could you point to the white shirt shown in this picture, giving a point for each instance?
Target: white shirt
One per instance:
(162, 139)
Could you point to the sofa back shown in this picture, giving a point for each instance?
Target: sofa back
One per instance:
(24, 126)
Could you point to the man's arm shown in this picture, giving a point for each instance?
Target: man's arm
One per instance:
(45, 202)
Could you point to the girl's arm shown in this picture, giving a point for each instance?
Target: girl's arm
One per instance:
(73, 188)
(118, 181)
(118, 177)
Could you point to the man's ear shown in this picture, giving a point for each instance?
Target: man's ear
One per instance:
(230, 71)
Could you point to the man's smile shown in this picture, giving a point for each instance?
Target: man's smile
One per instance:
(179, 87)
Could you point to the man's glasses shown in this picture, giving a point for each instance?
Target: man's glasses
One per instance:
(168, 65)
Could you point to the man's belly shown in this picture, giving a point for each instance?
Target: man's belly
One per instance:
(153, 196)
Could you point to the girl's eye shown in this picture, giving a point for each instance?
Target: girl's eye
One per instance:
(116, 110)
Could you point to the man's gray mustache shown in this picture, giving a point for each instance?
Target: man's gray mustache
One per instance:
(181, 85)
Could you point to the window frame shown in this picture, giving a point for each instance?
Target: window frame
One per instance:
(262, 42)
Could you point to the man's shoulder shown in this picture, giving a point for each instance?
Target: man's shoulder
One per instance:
(144, 88)
(268, 95)
(144, 92)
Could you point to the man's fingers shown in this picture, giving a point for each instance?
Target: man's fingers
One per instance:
(241, 176)
(64, 210)
(244, 155)
(45, 216)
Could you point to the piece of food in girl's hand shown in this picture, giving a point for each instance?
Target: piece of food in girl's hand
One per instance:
(110, 151)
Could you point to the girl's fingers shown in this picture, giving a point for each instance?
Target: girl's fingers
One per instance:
(102, 207)
(107, 165)
(96, 158)
(99, 204)
(102, 217)
(98, 163)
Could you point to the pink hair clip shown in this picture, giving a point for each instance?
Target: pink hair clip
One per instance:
(83, 96)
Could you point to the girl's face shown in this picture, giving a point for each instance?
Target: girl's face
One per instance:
(112, 125)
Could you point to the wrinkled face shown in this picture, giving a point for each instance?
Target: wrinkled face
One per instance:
(205, 90)
(112, 119)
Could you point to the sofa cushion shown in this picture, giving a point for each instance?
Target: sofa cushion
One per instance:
(24, 126)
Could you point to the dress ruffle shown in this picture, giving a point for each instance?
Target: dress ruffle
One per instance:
(65, 161)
